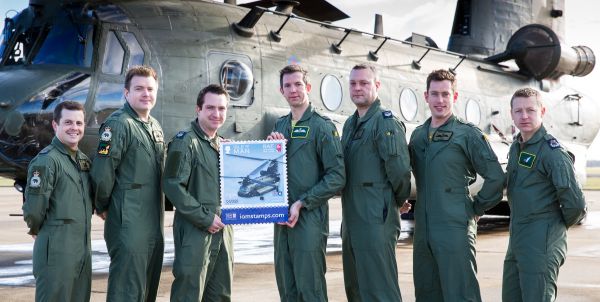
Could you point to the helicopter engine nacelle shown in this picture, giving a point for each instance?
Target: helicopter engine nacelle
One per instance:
(539, 53)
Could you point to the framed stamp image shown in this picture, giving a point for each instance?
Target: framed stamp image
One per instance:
(253, 182)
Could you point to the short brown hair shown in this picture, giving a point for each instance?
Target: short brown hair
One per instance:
(68, 105)
(368, 66)
(525, 93)
(212, 88)
(292, 69)
(441, 75)
(142, 71)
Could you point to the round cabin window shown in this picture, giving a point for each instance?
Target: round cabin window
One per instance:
(408, 104)
(473, 112)
(331, 92)
(236, 78)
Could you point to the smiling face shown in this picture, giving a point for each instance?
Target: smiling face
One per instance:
(294, 90)
(363, 87)
(527, 115)
(211, 115)
(69, 129)
(441, 98)
(141, 95)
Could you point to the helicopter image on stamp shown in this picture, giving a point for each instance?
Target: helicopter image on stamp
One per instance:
(253, 178)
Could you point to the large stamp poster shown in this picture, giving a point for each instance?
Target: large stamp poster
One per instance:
(253, 182)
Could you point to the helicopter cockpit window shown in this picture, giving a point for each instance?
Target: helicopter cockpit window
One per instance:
(331, 92)
(236, 78)
(109, 97)
(67, 43)
(473, 112)
(408, 104)
(136, 53)
(74, 87)
(65, 39)
(112, 63)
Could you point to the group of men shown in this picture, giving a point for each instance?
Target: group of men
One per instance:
(370, 165)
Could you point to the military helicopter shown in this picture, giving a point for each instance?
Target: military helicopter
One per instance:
(265, 182)
(56, 50)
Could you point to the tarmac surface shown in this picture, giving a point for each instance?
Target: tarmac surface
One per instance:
(254, 278)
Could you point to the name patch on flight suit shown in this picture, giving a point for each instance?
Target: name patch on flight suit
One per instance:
(158, 136)
(300, 131)
(84, 165)
(440, 136)
(526, 159)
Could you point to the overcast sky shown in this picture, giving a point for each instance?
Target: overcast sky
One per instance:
(434, 18)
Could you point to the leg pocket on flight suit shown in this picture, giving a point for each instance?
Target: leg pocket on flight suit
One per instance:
(308, 235)
(131, 205)
(195, 245)
(532, 248)
(374, 208)
(40, 253)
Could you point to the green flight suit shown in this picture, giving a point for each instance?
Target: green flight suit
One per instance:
(58, 209)
(545, 199)
(126, 174)
(377, 184)
(203, 266)
(445, 163)
(315, 173)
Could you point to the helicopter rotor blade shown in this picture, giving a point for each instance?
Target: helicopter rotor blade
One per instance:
(259, 167)
(258, 158)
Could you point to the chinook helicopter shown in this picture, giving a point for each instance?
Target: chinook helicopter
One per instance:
(56, 50)
(266, 181)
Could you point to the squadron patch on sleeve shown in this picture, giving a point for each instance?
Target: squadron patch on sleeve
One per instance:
(553, 143)
(106, 136)
(36, 180)
(104, 148)
(387, 114)
(180, 134)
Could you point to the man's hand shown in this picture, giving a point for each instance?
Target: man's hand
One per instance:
(274, 136)
(405, 207)
(102, 215)
(216, 225)
(294, 214)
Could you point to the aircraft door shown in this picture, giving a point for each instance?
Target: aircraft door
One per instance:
(122, 50)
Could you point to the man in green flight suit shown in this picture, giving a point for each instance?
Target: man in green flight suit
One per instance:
(203, 266)
(315, 173)
(126, 175)
(377, 185)
(58, 211)
(545, 200)
(446, 155)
